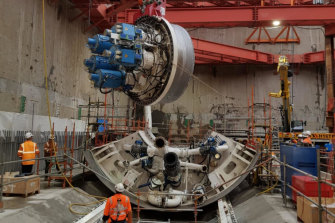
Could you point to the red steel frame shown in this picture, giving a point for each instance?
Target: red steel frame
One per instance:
(245, 13)
(207, 52)
(276, 39)
(210, 52)
(229, 3)
(200, 14)
(305, 15)
(101, 13)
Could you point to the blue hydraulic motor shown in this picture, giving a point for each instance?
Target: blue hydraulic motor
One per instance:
(151, 61)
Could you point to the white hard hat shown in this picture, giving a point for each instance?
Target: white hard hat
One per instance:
(300, 136)
(51, 137)
(119, 187)
(29, 135)
(308, 133)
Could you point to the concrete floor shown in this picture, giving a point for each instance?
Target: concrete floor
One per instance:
(250, 208)
(51, 205)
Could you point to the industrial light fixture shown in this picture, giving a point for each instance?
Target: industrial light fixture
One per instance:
(217, 156)
(276, 23)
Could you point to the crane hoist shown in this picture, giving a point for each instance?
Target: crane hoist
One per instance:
(284, 93)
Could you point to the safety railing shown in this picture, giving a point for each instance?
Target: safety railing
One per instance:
(327, 163)
(177, 135)
(68, 151)
(113, 128)
(124, 124)
(11, 140)
(38, 175)
(317, 178)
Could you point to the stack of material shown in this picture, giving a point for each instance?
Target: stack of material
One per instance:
(309, 213)
(309, 187)
(25, 186)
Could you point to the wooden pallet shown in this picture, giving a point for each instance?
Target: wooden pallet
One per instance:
(28, 186)
(23, 195)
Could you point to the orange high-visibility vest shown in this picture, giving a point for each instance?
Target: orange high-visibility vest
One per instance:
(27, 151)
(307, 141)
(117, 207)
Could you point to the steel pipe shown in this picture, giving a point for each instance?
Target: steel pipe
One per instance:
(126, 164)
(171, 164)
(147, 117)
(194, 166)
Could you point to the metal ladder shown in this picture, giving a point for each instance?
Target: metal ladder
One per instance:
(275, 138)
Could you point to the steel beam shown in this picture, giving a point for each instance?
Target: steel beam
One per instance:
(330, 30)
(210, 52)
(112, 12)
(314, 57)
(209, 3)
(221, 53)
(304, 15)
(329, 41)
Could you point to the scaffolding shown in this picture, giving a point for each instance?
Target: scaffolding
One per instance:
(107, 122)
(65, 162)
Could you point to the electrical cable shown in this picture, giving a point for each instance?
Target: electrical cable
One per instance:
(101, 85)
(270, 188)
(101, 198)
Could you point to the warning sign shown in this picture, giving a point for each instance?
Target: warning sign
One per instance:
(313, 136)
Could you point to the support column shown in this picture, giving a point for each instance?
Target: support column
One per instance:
(329, 59)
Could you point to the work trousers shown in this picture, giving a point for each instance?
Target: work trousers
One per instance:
(27, 169)
(124, 221)
(47, 163)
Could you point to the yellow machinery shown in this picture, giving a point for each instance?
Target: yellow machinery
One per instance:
(284, 93)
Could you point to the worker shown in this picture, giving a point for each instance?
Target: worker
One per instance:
(118, 208)
(307, 138)
(300, 139)
(28, 150)
(294, 141)
(50, 147)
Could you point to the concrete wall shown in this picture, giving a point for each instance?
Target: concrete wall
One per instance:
(21, 59)
(219, 86)
(231, 85)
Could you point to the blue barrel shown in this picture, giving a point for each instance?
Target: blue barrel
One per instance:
(300, 157)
